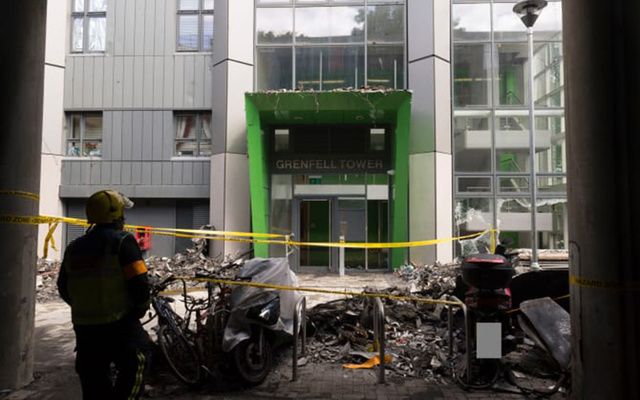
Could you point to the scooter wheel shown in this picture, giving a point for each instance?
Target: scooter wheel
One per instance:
(252, 365)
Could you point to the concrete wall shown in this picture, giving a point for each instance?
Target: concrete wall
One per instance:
(52, 120)
(233, 77)
(430, 170)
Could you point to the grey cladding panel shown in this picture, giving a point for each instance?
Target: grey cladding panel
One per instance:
(157, 135)
(138, 81)
(208, 85)
(170, 27)
(199, 88)
(129, 28)
(147, 85)
(178, 82)
(159, 31)
(118, 81)
(107, 84)
(158, 82)
(98, 82)
(168, 82)
(66, 173)
(127, 134)
(126, 173)
(147, 135)
(116, 135)
(189, 82)
(136, 173)
(136, 135)
(149, 26)
(78, 76)
(138, 38)
(187, 173)
(176, 178)
(105, 175)
(127, 95)
(95, 167)
(168, 134)
(68, 82)
(87, 81)
(166, 174)
(156, 173)
(147, 170)
(119, 27)
(116, 173)
(198, 173)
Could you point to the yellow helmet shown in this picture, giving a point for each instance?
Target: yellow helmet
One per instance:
(106, 207)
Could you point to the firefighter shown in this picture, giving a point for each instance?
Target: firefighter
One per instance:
(104, 279)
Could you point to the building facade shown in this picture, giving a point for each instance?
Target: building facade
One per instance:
(320, 118)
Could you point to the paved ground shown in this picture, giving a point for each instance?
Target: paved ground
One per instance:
(56, 379)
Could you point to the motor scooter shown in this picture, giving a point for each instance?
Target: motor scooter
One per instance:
(487, 300)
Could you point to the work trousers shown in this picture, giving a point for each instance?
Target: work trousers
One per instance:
(123, 344)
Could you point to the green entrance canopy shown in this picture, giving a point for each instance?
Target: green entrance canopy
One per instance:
(391, 107)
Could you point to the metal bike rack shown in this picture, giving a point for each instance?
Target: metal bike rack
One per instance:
(467, 335)
(299, 318)
(378, 334)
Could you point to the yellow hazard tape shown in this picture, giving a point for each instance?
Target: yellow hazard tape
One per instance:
(248, 237)
(598, 284)
(260, 285)
(20, 193)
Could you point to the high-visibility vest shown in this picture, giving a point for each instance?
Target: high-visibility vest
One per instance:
(96, 283)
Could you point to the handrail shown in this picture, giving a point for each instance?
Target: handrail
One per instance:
(378, 334)
(299, 318)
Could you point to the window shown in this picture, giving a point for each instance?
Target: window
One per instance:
(324, 45)
(193, 133)
(195, 25)
(84, 134)
(88, 26)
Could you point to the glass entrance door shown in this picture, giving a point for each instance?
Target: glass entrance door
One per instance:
(352, 224)
(315, 226)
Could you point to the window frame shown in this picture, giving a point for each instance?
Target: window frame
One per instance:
(200, 13)
(81, 139)
(86, 15)
(199, 130)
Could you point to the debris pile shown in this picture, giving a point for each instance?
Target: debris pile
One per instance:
(430, 280)
(46, 289)
(416, 335)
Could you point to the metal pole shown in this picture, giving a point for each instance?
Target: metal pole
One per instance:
(532, 155)
(20, 146)
(341, 256)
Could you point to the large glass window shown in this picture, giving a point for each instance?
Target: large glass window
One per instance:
(274, 25)
(471, 21)
(88, 26)
(332, 45)
(193, 133)
(491, 135)
(325, 68)
(472, 142)
(472, 77)
(329, 25)
(195, 25)
(274, 67)
(512, 74)
(84, 134)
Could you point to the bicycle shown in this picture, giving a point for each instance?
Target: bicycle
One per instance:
(181, 346)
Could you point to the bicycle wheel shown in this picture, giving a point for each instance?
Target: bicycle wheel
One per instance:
(180, 355)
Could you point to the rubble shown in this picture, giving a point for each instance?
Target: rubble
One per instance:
(416, 335)
(46, 289)
(430, 280)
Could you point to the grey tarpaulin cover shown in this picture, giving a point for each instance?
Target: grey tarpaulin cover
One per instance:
(263, 270)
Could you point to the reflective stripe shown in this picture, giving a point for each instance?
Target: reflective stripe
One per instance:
(139, 374)
(134, 269)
